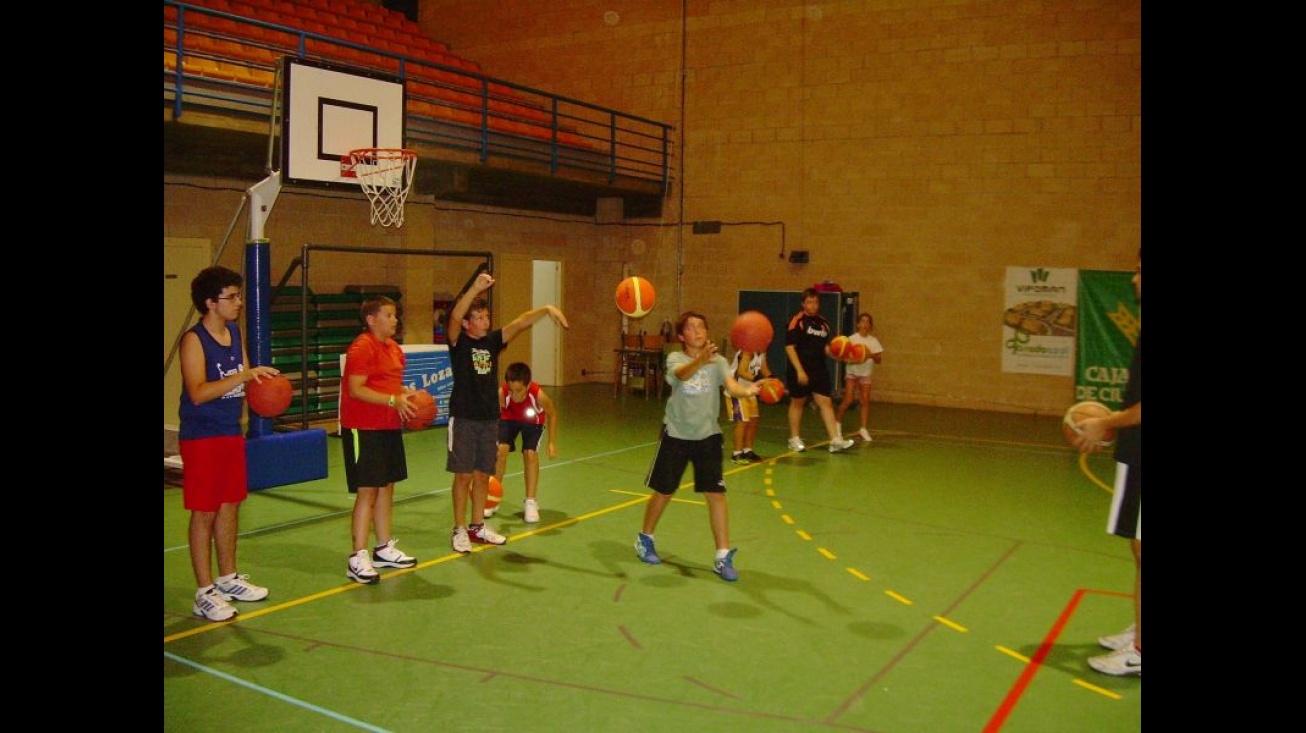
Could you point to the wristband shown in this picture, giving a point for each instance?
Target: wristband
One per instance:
(392, 400)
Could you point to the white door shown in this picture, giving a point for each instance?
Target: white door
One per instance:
(546, 347)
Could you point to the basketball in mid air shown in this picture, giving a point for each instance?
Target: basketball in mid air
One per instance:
(636, 296)
(752, 331)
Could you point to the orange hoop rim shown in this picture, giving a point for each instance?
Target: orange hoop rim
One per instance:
(361, 154)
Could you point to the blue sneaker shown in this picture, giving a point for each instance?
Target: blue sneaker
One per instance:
(644, 548)
(725, 567)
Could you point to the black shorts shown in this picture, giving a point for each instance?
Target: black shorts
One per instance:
(472, 445)
(818, 382)
(1126, 518)
(529, 431)
(373, 458)
(675, 454)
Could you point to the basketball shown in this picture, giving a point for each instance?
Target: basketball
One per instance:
(426, 410)
(840, 347)
(1082, 411)
(494, 495)
(636, 297)
(269, 396)
(856, 352)
(752, 331)
(772, 390)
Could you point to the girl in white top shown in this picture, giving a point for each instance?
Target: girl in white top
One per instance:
(857, 378)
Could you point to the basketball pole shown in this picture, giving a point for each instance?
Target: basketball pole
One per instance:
(272, 459)
(258, 289)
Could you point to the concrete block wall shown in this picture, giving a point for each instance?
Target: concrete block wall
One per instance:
(915, 149)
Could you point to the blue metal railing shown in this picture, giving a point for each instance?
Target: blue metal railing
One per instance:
(220, 61)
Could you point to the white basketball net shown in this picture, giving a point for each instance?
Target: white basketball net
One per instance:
(385, 175)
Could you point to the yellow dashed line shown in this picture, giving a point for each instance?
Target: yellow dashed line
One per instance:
(1012, 653)
(951, 624)
(786, 519)
(858, 574)
(828, 555)
(776, 505)
(897, 598)
(1095, 688)
(804, 535)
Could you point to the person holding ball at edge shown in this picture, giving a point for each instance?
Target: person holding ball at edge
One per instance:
(691, 434)
(857, 379)
(214, 371)
(1126, 516)
(748, 367)
(807, 345)
(474, 406)
(373, 407)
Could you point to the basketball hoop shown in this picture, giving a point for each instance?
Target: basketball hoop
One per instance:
(385, 175)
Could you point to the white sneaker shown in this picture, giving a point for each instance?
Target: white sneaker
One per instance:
(212, 605)
(1116, 642)
(864, 434)
(489, 511)
(461, 542)
(238, 588)
(483, 535)
(838, 430)
(360, 568)
(389, 556)
(531, 511)
(1127, 662)
(839, 445)
(796, 444)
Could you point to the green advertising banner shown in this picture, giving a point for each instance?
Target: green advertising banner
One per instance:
(1109, 324)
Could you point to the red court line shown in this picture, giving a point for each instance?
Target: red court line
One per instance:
(1036, 662)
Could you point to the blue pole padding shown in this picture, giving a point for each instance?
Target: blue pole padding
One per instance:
(258, 317)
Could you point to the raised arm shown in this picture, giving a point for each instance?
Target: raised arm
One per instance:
(528, 319)
(482, 283)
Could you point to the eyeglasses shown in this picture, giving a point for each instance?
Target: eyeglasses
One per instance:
(231, 297)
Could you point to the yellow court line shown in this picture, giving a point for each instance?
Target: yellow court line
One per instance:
(1012, 653)
(245, 616)
(1083, 466)
(951, 624)
(901, 599)
(858, 574)
(1099, 690)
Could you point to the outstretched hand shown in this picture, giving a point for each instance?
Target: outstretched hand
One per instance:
(484, 281)
(557, 317)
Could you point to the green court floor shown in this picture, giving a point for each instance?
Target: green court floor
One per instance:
(953, 575)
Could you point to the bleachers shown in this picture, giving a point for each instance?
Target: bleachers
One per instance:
(231, 49)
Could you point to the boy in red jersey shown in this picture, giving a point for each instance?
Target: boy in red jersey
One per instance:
(373, 405)
(524, 406)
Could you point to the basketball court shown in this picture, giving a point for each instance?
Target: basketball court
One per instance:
(951, 576)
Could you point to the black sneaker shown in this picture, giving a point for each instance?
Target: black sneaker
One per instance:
(753, 457)
(739, 458)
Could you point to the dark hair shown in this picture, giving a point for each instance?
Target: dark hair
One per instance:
(811, 293)
(518, 371)
(480, 304)
(209, 284)
(684, 319)
(374, 304)
(868, 317)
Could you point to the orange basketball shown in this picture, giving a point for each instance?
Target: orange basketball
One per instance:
(772, 390)
(840, 347)
(494, 495)
(1082, 411)
(856, 352)
(636, 297)
(426, 410)
(269, 396)
(752, 331)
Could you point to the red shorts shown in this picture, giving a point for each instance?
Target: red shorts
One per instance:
(213, 472)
